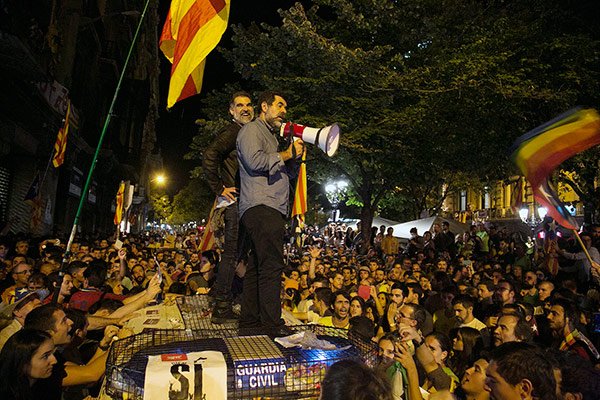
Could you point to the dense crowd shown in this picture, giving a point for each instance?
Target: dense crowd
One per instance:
(464, 314)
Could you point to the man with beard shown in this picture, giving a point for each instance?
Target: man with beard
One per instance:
(562, 320)
(505, 293)
(340, 307)
(138, 276)
(463, 309)
(264, 192)
(220, 166)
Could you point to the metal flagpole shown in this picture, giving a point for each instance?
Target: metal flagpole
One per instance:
(104, 129)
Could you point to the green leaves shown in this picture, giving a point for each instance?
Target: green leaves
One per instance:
(425, 91)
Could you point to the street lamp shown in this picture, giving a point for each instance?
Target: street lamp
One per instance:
(334, 191)
(160, 179)
(532, 221)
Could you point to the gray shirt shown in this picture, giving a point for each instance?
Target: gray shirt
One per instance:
(582, 266)
(264, 177)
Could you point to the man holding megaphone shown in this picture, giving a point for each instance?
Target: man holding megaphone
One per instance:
(264, 191)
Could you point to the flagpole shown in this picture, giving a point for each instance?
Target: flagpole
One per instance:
(101, 139)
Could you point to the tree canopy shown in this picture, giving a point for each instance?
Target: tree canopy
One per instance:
(429, 93)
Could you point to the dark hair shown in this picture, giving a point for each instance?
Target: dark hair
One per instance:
(111, 305)
(323, 294)
(489, 284)
(74, 266)
(239, 93)
(578, 375)
(516, 361)
(337, 293)
(42, 318)
(362, 326)
(78, 317)
(348, 379)
(39, 278)
(15, 359)
(54, 278)
(361, 301)
(569, 309)
(211, 255)
(371, 304)
(416, 288)
(464, 300)
(177, 288)
(268, 97)
(401, 286)
(472, 347)
(96, 276)
(444, 341)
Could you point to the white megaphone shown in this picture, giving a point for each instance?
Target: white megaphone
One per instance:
(327, 138)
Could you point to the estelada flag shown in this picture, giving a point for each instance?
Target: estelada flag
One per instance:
(60, 146)
(516, 199)
(192, 30)
(34, 189)
(540, 151)
(300, 206)
(119, 207)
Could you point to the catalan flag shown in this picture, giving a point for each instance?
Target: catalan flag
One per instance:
(60, 146)
(540, 151)
(119, 208)
(207, 242)
(192, 30)
(300, 197)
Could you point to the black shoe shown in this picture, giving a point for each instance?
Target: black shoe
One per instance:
(223, 316)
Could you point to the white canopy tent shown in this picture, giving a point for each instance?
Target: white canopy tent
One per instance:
(377, 221)
(425, 224)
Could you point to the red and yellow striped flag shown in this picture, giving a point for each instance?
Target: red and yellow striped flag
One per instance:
(192, 30)
(208, 236)
(300, 206)
(60, 146)
(119, 208)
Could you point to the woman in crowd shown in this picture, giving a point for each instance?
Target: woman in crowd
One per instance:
(27, 357)
(357, 307)
(466, 346)
(438, 375)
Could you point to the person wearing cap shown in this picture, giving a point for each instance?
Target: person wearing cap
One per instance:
(20, 274)
(17, 312)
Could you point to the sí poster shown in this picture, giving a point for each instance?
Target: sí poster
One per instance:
(192, 376)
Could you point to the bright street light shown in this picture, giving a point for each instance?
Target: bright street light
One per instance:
(335, 191)
(160, 179)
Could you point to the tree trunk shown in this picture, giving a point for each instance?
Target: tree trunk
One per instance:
(366, 222)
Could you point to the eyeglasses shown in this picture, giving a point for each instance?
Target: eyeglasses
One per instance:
(27, 271)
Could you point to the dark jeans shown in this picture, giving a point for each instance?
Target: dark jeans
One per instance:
(261, 298)
(229, 259)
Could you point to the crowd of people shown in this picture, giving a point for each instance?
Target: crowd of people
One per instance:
(477, 314)
(468, 315)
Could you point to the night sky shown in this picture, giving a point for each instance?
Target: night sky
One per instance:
(175, 128)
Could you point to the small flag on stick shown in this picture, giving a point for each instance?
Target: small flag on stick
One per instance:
(119, 207)
(300, 205)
